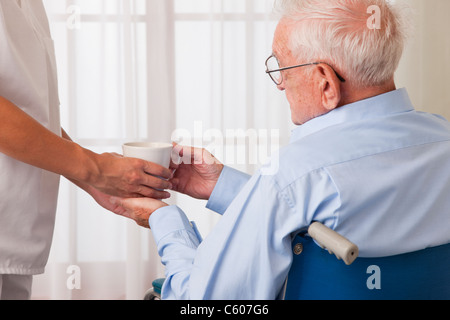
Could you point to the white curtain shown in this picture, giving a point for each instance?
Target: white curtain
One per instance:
(115, 61)
(189, 70)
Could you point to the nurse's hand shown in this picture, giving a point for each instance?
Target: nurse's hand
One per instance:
(139, 209)
(130, 178)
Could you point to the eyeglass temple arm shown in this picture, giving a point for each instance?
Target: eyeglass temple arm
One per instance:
(304, 65)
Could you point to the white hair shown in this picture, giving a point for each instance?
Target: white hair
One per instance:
(337, 32)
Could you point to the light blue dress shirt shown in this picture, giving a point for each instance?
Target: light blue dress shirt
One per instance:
(376, 171)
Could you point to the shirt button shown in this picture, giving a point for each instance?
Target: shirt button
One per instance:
(298, 249)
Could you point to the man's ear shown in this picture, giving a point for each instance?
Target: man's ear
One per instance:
(329, 86)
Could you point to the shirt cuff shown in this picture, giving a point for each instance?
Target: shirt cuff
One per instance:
(230, 183)
(168, 220)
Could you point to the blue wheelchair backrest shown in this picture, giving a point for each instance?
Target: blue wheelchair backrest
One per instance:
(317, 275)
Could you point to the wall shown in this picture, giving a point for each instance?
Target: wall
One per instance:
(425, 67)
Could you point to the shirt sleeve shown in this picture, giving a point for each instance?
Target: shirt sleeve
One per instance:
(248, 254)
(241, 259)
(177, 240)
(228, 186)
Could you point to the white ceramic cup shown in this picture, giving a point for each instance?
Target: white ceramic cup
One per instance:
(156, 152)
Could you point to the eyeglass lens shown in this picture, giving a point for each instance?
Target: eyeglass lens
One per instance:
(272, 64)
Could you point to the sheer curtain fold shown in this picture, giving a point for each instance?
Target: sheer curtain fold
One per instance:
(159, 123)
(224, 98)
(116, 81)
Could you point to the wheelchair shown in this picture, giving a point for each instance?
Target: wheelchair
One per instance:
(316, 274)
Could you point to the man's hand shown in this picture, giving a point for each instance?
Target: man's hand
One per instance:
(197, 173)
(138, 209)
(131, 178)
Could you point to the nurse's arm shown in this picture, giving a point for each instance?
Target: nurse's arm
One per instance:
(25, 139)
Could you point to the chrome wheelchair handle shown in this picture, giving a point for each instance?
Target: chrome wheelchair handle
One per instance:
(335, 243)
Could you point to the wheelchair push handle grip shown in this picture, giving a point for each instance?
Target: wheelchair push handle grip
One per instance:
(334, 242)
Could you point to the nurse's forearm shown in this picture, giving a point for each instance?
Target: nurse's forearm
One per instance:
(26, 140)
(96, 194)
(78, 183)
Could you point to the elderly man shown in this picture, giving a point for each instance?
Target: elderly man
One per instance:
(362, 161)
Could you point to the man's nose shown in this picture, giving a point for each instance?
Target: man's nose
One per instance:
(281, 86)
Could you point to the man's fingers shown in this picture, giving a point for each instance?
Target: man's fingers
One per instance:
(128, 208)
(147, 192)
(121, 206)
(187, 155)
(175, 184)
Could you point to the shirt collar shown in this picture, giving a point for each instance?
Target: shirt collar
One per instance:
(396, 101)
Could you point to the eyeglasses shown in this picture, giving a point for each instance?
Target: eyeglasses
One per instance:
(274, 70)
